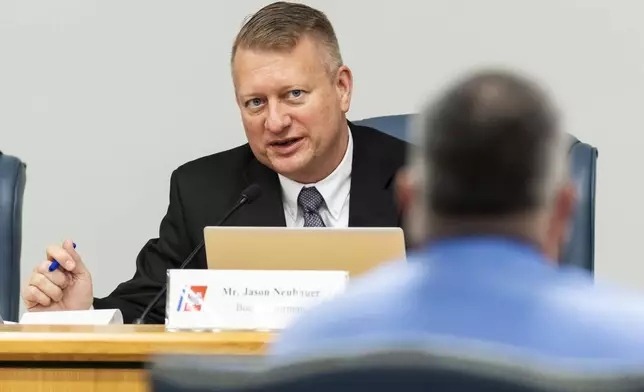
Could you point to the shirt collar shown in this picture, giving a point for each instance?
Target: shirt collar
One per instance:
(331, 188)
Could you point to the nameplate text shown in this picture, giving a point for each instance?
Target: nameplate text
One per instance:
(246, 299)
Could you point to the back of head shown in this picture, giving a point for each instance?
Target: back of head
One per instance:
(492, 156)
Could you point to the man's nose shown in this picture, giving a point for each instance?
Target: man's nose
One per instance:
(277, 119)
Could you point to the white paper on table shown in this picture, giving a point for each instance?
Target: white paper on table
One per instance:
(74, 317)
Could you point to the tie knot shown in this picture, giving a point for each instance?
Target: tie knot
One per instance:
(310, 199)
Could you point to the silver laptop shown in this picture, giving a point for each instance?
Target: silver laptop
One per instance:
(356, 250)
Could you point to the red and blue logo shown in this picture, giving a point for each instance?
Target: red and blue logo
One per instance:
(192, 298)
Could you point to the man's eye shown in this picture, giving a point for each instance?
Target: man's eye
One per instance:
(254, 102)
(296, 93)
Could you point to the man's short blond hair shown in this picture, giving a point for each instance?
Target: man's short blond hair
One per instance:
(280, 26)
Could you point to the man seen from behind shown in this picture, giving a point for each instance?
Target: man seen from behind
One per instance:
(489, 198)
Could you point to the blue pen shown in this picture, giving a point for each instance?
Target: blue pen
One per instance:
(55, 264)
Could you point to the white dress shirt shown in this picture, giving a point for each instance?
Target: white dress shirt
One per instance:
(335, 189)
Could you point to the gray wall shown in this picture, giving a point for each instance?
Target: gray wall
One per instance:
(103, 99)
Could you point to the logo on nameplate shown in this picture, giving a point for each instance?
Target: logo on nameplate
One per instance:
(192, 298)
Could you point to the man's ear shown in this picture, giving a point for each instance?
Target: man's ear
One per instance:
(563, 213)
(344, 86)
(567, 203)
(409, 183)
(404, 189)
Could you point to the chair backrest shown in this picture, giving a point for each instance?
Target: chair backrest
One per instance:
(418, 369)
(580, 248)
(12, 187)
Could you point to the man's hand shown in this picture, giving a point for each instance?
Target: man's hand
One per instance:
(69, 287)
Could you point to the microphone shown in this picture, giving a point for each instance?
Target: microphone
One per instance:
(248, 195)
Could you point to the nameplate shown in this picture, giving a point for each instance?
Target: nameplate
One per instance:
(246, 299)
(74, 317)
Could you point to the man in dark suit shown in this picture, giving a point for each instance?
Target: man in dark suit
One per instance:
(314, 167)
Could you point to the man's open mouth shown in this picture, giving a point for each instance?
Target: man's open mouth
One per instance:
(286, 142)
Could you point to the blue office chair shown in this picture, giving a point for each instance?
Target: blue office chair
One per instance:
(419, 369)
(12, 187)
(388, 371)
(580, 249)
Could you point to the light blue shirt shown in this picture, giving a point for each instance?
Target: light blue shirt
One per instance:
(483, 289)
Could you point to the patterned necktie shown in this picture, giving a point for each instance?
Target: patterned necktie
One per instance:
(310, 200)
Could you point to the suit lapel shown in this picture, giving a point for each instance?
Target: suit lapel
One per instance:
(372, 201)
(267, 210)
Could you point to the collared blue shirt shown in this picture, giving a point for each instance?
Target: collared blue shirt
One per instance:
(485, 289)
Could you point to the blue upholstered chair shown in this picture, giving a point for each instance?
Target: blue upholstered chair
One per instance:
(386, 369)
(408, 371)
(12, 187)
(580, 249)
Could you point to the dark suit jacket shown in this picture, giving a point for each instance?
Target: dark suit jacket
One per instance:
(202, 191)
